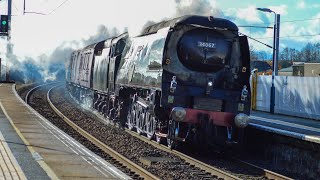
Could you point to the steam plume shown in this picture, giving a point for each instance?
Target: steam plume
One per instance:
(191, 7)
(52, 67)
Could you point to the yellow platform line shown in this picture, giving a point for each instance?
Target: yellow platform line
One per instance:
(9, 165)
(42, 163)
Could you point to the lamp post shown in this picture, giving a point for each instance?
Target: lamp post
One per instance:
(276, 32)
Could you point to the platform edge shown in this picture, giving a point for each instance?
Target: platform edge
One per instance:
(42, 164)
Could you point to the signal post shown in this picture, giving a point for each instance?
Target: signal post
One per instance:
(5, 21)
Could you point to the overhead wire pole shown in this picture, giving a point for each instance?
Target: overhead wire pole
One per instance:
(39, 13)
(9, 45)
(24, 10)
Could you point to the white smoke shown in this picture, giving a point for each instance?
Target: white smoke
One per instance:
(52, 67)
(190, 7)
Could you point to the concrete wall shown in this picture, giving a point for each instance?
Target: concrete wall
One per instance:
(312, 69)
(284, 73)
(296, 96)
(298, 70)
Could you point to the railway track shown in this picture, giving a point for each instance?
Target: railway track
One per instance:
(123, 160)
(215, 171)
(142, 172)
(208, 168)
(267, 173)
(205, 168)
(26, 99)
(134, 170)
(188, 159)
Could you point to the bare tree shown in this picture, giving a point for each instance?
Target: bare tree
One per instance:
(253, 54)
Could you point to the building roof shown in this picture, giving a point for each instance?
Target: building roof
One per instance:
(311, 63)
(260, 65)
(304, 63)
(288, 69)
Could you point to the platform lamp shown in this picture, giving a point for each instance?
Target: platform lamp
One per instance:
(276, 33)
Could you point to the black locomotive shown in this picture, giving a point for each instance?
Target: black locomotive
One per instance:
(186, 79)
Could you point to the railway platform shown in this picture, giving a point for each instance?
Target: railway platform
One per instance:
(32, 148)
(300, 128)
(9, 166)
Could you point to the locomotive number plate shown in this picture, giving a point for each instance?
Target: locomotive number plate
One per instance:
(208, 104)
(206, 44)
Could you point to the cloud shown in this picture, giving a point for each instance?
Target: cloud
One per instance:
(197, 7)
(307, 31)
(251, 17)
(282, 9)
(296, 34)
(248, 15)
(301, 5)
(315, 5)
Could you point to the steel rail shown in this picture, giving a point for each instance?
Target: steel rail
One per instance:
(214, 171)
(208, 168)
(123, 160)
(36, 87)
(267, 173)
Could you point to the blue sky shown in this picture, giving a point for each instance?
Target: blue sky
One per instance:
(33, 35)
(68, 24)
(296, 9)
(293, 33)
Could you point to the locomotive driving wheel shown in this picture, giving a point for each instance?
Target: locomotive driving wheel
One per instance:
(157, 131)
(140, 120)
(158, 139)
(150, 125)
(171, 142)
(131, 118)
(111, 112)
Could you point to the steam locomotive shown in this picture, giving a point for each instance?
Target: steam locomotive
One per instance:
(185, 79)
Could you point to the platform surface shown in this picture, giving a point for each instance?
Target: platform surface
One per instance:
(50, 150)
(20, 152)
(9, 167)
(302, 128)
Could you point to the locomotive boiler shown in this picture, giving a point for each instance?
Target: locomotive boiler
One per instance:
(185, 79)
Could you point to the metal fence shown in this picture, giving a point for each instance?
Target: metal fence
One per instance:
(295, 96)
